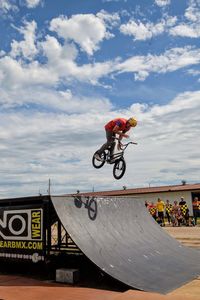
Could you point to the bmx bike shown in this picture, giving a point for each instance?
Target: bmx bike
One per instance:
(117, 159)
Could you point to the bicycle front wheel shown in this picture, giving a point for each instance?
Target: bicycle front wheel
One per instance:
(119, 168)
(97, 163)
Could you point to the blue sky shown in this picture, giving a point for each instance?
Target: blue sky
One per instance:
(68, 67)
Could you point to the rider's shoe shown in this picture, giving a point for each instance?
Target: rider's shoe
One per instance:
(98, 157)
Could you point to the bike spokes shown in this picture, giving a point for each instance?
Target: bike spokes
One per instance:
(99, 163)
(119, 168)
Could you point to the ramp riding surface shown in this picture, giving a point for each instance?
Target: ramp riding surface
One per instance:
(121, 238)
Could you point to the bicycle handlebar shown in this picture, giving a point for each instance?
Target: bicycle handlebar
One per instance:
(126, 143)
(134, 143)
(124, 146)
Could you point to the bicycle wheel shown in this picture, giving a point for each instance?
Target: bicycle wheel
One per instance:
(119, 168)
(98, 163)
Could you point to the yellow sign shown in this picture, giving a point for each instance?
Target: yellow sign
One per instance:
(36, 219)
(21, 245)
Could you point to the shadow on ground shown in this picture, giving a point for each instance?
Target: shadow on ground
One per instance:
(45, 273)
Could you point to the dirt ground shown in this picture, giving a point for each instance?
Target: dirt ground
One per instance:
(21, 288)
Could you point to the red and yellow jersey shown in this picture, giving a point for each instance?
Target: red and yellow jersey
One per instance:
(119, 122)
(168, 208)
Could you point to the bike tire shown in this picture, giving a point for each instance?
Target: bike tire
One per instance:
(119, 168)
(99, 164)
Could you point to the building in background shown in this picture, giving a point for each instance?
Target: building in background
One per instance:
(151, 194)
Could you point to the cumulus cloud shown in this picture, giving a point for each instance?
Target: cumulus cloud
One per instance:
(192, 13)
(52, 118)
(15, 74)
(184, 30)
(27, 47)
(62, 60)
(169, 61)
(42, 145)
(141, 31)
(86, 30)
(111, 20)
(48, 99)
(191, 27)
(61, 65)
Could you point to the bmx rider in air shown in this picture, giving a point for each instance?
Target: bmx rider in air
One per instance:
(117, 126)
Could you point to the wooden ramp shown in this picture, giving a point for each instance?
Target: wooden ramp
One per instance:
(122, 239)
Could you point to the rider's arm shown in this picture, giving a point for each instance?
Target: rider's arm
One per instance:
(118, 130)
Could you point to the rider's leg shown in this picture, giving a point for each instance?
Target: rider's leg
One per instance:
(110, 140)
(112, 148)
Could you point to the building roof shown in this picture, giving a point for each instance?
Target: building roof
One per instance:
(147, 190)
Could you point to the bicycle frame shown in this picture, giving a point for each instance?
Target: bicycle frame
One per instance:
(118, 155)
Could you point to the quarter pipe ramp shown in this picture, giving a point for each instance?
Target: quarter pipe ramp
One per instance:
(121, 238)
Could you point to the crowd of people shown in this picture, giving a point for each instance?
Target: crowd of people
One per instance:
(176, 214)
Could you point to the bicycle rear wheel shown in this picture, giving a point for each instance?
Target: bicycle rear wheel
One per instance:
(97, 163)
(119, 168)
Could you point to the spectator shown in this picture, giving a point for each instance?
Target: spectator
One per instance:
(175, 214)
(168, 210)
(179, 217)
(160, 205)
(196, 209)
(152, 210)
(187, 217)
(184, 210)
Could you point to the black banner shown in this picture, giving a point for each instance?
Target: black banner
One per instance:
(21, 233)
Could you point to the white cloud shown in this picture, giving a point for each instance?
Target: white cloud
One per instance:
(191, 27)
(162, 3)
(32, 3)
(50, 129)
(184, 30)
(7, 6)
(141, 31)
(52, 100)
(111, 20)
(38, 146)
(27, 47)
(14, 74)
(192, 13)
(138, 30)
(61, 61)
(61, 66)
(86, 30)
(169, 61)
